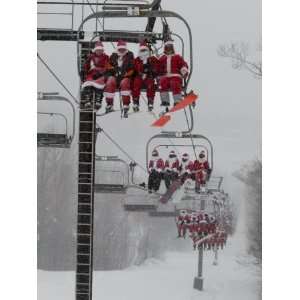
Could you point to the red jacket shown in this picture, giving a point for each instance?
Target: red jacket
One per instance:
(96, 63)
(186, 167)
(150, 68)
(172, 166)
(127, 65)
(157, 165)
(172, 65)
(200, 165)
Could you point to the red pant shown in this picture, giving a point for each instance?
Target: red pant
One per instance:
(148, 83)
(200, 177)
(171, 83)
(110, 89)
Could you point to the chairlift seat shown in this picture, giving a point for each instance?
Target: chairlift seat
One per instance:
(139, 203)
(110, 188)
(53, 140)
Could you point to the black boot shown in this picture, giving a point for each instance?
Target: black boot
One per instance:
(87, 96)
(125, 111)
(136, 105)
(98, 98)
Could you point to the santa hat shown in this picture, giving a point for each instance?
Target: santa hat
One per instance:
(185, 156)
(202, 152)
(143, 46)
(172, 153)
(121, 45)
(169, 42)
(154, 152)
(98, 46)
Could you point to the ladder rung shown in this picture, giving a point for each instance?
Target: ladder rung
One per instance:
(85, 254)
(84, 163)
(85, 152)
(85, 194)
(84, 224)
(86, 183)
(82, 293)
(83, 283)
(84, 214)
(81, 244)
(86, 173)
(86, 121)
(85, 274)
(81, 264)
(85, 132)
(83, 203)
(88, 234)
(85, 142)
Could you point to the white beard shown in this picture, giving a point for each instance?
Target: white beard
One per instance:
(172, 160)
(144, 56)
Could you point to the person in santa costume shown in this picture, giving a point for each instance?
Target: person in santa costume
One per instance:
(156, 167)
(146, 70)
(171, 169)
(185, 167)
(173, 69)
(121, 73)
(202, 171)
(93, 76)
(182, 223)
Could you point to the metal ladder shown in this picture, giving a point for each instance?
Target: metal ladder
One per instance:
(85, 209)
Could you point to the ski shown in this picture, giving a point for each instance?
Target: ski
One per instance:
(165, 118)
(186, 101)
(172, 189)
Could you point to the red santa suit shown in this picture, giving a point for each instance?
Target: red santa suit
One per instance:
(121, 71)
(186, 167)
(201, 168)
(155, 168)
(181, 223)
(156, 164)
(95, 68)
(172, 69)
(172, 165)
(146, 68)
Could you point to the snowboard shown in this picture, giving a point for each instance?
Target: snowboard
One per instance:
(186, 101)
(172, 189)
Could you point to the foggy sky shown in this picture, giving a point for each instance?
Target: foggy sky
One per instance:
(228, 110)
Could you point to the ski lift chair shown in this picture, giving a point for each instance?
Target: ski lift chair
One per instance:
(56, 140)
(114, 175)
(151, 12)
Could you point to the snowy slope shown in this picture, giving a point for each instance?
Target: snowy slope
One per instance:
(235, 278)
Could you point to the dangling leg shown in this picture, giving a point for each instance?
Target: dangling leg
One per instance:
(151, 182)
(125, 93)
(136, 92)
(164, 93)
(87, 94)
(109, 93)
(99, 86)
(176, 88)
(167, 178)
(150, 86)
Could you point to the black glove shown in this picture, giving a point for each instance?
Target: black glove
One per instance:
(97, 75)
(82, 75)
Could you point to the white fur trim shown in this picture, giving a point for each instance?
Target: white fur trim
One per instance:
(144, 48)
(92, 83)
(125, 106)
(109, 95)
(125, 93)
(173, 75)
(98, 48)
(121, 47)
(169, 58)
(169, 43)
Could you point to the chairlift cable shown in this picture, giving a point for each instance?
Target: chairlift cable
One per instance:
(57, 78)
(121, 149)
(192, 140)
